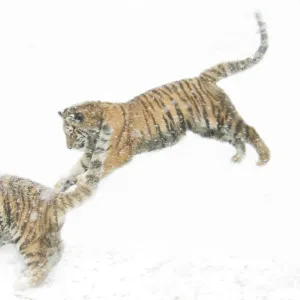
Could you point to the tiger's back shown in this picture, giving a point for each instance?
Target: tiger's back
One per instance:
(161, 116)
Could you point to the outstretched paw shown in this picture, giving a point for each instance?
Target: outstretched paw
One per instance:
(263, 159)
(262, 162)
(237, 158)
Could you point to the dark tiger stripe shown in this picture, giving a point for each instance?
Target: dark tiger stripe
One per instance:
(157, 100)
(170, 126)
(203, 105)
(99, 150)
(218, 118)
(68, 201)
(170, 129)
(26, 222)
(247, 132)
(25, 231)
(165, 120)
(17, 209)
(10, 203)
(229, 121)
(96, 164)
(222, 67)
(156, 125)
(83, 165)
(226, 114)
(7, 210)
(145, 109)
(192, 99)
(17, 239)
(92, 179)
(207, 77)
(238, 128)
(207, 93)
(185, 101)
(88, 155)
(187, 97)
(147, 124)
(169, 115)
(179, 113)
(167, 88)
(148, 101)
(189, 125)
(20, 206)
(217, 72)
(124, 124)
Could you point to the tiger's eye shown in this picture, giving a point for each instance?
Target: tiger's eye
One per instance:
(79, 117)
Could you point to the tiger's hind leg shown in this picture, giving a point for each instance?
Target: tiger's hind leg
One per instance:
(241, 133)
(238, 143)
(261, 148)
(55, 258)
(36, 269)
(40, 258)
(237, 133)
(240, 150)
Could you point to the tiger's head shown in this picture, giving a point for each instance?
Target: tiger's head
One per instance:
(79, 132)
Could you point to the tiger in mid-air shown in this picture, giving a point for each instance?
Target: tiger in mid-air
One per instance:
(160, 117)
(32, 215)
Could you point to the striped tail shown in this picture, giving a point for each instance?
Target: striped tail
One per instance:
(88, 181)
(226, 69)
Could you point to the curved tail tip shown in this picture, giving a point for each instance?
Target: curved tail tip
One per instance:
(259, 19)
(258, 16)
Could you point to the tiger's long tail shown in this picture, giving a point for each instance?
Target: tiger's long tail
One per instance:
(87, 182)
(226, 69)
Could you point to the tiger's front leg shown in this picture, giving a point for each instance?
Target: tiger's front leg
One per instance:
(118, 153)
(116, 158)
(79, 168)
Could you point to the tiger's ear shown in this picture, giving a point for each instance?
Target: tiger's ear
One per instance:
(60, 113)
(78, 117)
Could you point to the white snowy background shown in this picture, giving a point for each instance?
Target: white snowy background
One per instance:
(182, 223)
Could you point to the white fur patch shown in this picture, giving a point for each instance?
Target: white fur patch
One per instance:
(34, 216)
(166, 109)
(47, 195)
(136, 133)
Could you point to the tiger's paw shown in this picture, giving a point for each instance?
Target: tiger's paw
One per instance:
(262, 162)
(237, 158)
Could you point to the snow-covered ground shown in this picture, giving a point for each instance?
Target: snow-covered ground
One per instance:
(183, 223)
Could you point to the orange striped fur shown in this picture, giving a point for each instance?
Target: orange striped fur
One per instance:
(160, 117)
(32, 215)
